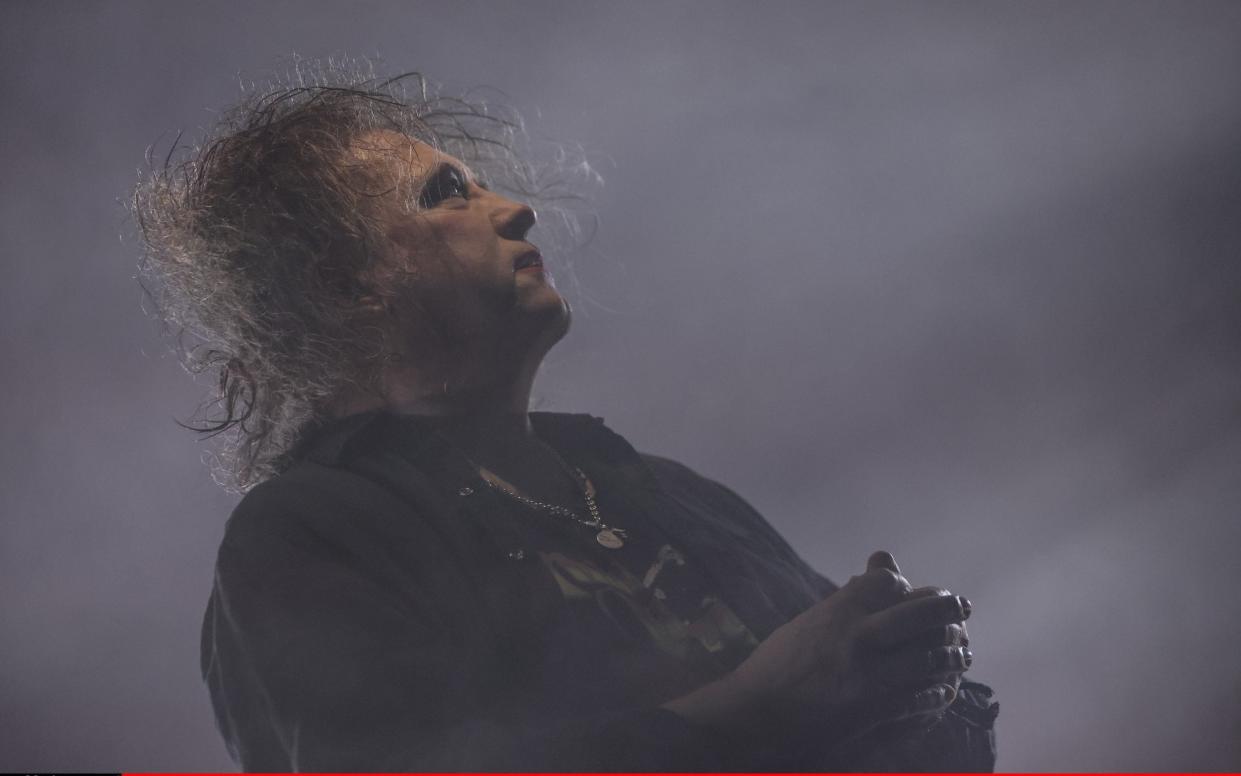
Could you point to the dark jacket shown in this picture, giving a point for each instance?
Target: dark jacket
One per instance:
(372, 612)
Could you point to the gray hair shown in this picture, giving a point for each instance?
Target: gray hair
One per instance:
(259, 238)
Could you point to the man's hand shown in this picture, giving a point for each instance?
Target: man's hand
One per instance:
(872, 653)
(951, 641)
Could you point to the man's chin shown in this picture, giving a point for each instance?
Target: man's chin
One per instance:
(557, 323)
(547, 325)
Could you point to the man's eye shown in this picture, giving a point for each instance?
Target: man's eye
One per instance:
(448, 184)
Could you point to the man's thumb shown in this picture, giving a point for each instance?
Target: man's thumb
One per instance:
(882, 560)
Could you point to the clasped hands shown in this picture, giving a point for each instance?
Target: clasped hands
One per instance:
(875, 653)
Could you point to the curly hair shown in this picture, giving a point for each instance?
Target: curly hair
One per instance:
(259, 238)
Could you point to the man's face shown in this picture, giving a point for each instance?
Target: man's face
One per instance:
(470, 279)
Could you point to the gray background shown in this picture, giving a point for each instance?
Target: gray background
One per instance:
(958, 280)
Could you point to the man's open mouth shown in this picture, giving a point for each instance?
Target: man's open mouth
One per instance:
(528, 260)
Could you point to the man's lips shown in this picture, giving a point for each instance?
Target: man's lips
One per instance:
(528, 260)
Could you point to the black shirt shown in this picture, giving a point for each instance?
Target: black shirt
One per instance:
(377, 606)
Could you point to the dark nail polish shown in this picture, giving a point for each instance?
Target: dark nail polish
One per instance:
(966, 607)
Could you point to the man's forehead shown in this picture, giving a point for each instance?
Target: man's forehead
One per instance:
(412, 157)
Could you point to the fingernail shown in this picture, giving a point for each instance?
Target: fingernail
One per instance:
(967, 657)
(966, 607)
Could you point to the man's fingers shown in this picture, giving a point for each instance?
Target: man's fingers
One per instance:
(909, 618)
(882, 560)
(931, 700)
(904, 705)
(953, 634)
(915, 666)
(927, 592)
(878, 588)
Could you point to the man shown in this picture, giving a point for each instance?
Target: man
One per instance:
(425, 575)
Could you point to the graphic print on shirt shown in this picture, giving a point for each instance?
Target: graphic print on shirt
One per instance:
(667, 605)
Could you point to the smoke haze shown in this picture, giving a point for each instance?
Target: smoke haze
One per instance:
(958, 280)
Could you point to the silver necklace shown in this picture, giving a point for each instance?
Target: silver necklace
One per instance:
(609, 536)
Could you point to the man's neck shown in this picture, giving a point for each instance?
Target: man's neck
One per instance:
(486, 436)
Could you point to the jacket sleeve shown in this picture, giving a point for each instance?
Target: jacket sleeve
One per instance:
(960, 741)
(314, 663)
(724, 501)
(963, 740)
(822, 585)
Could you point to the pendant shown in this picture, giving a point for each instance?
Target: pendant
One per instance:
(610, 538)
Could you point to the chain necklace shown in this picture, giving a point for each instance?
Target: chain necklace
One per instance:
(609, 536)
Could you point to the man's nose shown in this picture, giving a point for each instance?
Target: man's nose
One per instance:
(513, 219)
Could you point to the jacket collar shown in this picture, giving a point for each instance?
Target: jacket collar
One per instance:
(335, 443)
